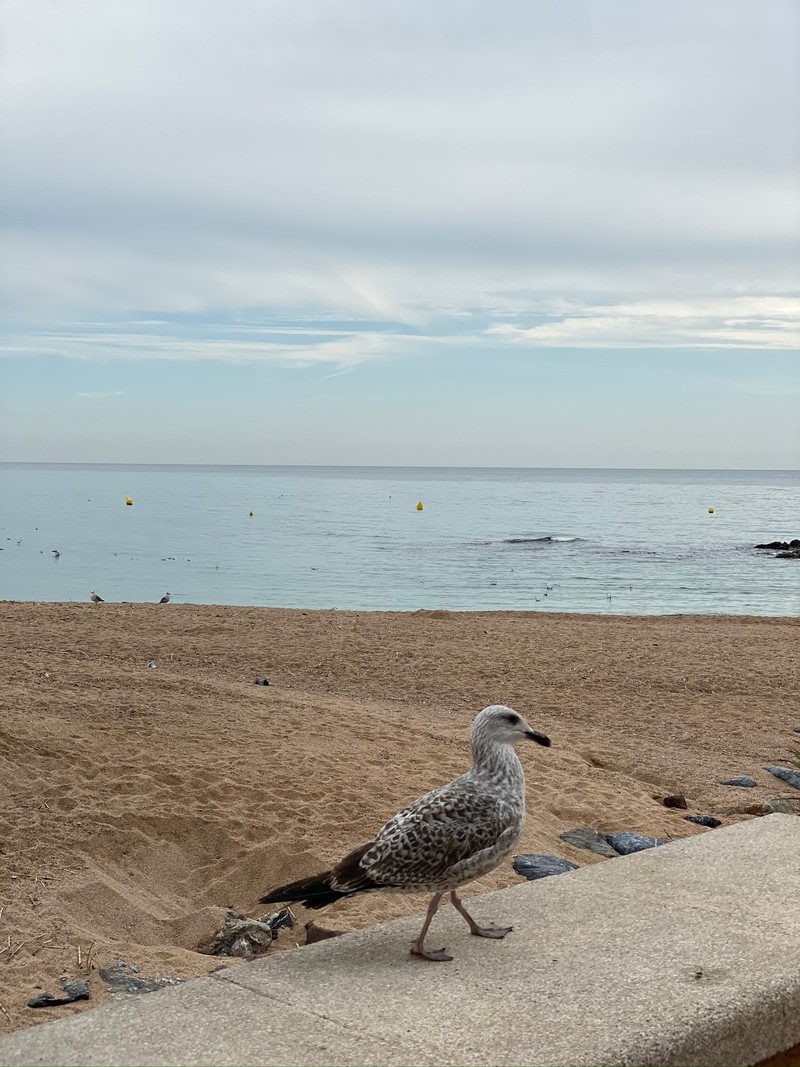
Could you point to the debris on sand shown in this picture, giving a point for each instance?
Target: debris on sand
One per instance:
(75, 990)
(245, 937)
(120, 977)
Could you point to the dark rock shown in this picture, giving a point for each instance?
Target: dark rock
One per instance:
(703, 820)
(75, 990)
(584, 837)
(744, 781)
(245, 937)
(626, 843)
(536, 865)
(675, 800)
(316, 933)
(121, 978)
(785, 805)
(796, 729)
(262, 681)
(785, 549)
(787, 775)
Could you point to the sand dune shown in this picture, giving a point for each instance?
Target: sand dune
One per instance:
(136, 803)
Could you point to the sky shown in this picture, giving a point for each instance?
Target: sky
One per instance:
(525, 233)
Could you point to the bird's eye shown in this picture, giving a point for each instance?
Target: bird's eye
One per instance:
(513, 720)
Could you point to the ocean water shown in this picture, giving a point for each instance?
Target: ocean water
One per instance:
(632, 542)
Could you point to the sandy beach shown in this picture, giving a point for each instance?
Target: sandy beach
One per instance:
(135, 803)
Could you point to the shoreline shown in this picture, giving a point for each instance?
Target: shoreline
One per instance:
(141, 801)
(441, 612)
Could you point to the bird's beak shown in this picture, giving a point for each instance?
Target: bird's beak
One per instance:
(540, 739)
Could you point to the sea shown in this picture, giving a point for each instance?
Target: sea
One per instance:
(619, 542)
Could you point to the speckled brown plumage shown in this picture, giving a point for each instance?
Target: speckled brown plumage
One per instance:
(447, 837)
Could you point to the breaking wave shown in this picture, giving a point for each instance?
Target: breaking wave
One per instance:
(547, 539)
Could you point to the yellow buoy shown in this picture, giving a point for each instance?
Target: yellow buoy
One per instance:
(710, 511)
(419, 505)
(128, 501)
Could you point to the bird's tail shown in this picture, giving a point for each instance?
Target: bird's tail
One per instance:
(343, 880)
(315, 892)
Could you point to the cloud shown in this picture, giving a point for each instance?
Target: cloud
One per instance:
(302, 349)
(724, 322)
(399, 164)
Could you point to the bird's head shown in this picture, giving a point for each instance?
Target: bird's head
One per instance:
(501, 724)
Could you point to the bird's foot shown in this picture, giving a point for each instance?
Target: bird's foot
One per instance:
(438, 955)
(497, 932)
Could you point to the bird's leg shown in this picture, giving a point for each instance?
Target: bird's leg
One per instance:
(418, 948)
(479, 931)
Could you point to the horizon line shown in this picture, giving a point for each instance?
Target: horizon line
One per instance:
(380, 466)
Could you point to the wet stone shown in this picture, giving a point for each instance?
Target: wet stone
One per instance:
(262, 681)
(626, 842)
(703, 820)
(584, 837)
(537, 865)
(744, 781)
(786, 774)
(121, 978)
(75, 990)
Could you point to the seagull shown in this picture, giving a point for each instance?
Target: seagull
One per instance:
(165, 598)
(443, 840)
(56, 553)
(95, 599)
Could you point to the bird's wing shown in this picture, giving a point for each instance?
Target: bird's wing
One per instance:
(434, 834)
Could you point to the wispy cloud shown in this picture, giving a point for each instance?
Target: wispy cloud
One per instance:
(724, 322)
(343, 351)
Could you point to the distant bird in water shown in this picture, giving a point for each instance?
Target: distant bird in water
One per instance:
(443, 840)
(56, 553)
(165, 598)
(95, 599)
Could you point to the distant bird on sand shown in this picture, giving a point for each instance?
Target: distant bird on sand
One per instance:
(95, 599)
(441, 841)
(165, 598)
